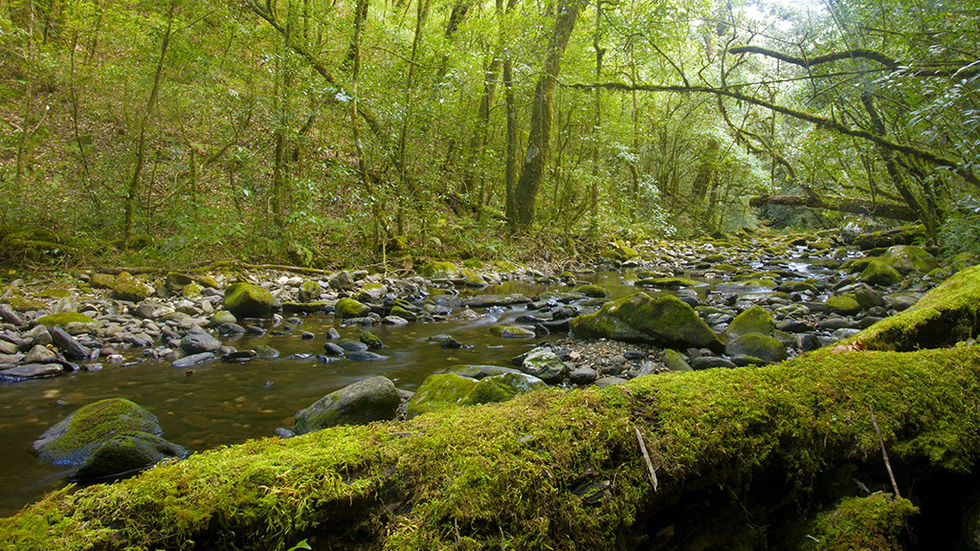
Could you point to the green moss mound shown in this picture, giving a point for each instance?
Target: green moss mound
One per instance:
(755, 319)
(846, 304)
(663, 320)
(73, 439)
(909, 258)
(878, 272)
(945, 315)
(439, 270)
(757, 345)
(245, 300)
(126, 454)
(23, 304)
(878, 522)
(63, 319)
(450, 390)
(592, 291)
(513, 475)
(350, 308)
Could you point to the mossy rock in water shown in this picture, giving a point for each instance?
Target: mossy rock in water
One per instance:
(910, 258)
(449, 390)
(245, 300)
(126, 454)
(439, 270)
(64, 319)
(944, 316)
(370, 339)
(759, 283)
(857, 265)
(54, 292)
(592, 290)
(757, 345)
(512, 332)
(402, 312)
(879, 272)
(373, 399)
(667, 282)
(74, 438)
(753, 320)
(350, 308)
(846, 304)
(879, 522)
(675, 361)
(23, 304)
(726, 268)
(662, 320)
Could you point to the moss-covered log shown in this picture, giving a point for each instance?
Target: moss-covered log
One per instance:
(732, 450)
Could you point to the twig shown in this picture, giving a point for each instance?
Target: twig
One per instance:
(646, 457)
(884, 454)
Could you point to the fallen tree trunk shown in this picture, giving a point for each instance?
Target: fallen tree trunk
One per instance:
(675, 461)
(840, 204)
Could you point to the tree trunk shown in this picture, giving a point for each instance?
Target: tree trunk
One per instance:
(536, 158)
(718, 458)
(510, 163)
(852, 205)
(132, 190)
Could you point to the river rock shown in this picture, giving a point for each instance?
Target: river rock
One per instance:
(512, 332)
(486, 301)
(351, 345)
(364, 356)
(582, 376)
(909, 258)
(222, 317)
(371, 340)
(197, 341)
(373, 399)
(845, 304)
(68, 345)
(447, 390)
(126, 454)
(348, 308)
(192, 360)
(753, 320)
(592, 291)
(73, 439)
(674, 360)
(31, 371)
(8, 315)
(40, 355)
(708, 362)
(545, 365)
(757, 345)
(245, 300)
(341, 281)
(661, 320)
(878, 272)
(480, 371)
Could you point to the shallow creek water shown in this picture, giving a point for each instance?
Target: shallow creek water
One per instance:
(221, 403)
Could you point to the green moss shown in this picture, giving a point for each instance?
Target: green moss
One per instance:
(350, 308)
(668, 282)
(878, 522)
(439, 270)
(592, 290)
(54, 292)
(665, 320)
(23, 304)
(857, 265)
(63, 319)
(753, 320)
(126, 286)
(909, 258)
(727, 268)
(878, 272)
(945, 315)
(191, 291)
(473, 264)
(846, 304)
(756, 345)
(247, 300)
(512, 332)
(450, 390)
(72, 440)
(502, 475)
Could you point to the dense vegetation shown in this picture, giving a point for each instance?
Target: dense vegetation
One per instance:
(320, 132)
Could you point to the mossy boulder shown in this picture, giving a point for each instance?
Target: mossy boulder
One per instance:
(675, 361)
(640, 318)
(64, 319)
(757, 345)
(24, 304)
(73, 439)
(126, 286)
(373, 399)
(192, 290)
(245, 300)
(449, 390)
(592, 290)
(512, 332)
(439, 270)
(944, 316)
(126, 454)
(545, 365)
(667, 282)
(350, 308)
(846, 304)
(753, 320)
(910, 258)
(370, 339)
(879, 272)
(309, 291)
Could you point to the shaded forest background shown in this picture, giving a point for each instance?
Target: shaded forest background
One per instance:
(322, 132)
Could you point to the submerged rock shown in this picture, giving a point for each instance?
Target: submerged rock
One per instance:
(374, 399)
(663, 320)
(73, 439)
(347, 308)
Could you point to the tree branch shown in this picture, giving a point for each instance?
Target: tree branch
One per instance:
(840, 204)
